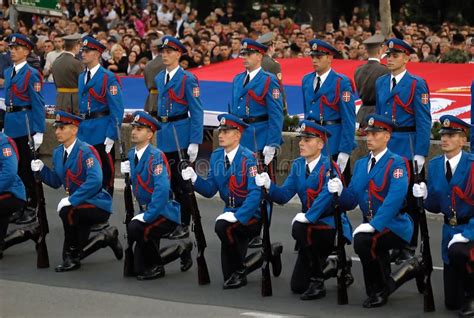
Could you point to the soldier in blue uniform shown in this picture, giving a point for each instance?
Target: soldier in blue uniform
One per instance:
(23, 85)
(450, 191)
(404, 99)
(76, 167)
(179, 106)
(313, 227)
(12, 190)
(472, 117)
(258, 101)
(232, 173)
(159, 213)
(101, 107)
(379, 186)
(328, 99)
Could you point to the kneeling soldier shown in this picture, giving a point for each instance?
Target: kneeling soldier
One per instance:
(77, 167)
(160, 214)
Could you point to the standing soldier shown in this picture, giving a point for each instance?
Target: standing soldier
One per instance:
(405, 100)
(23, 97)
(313, 228)
(232, 173)
(451, 192)
(328, 100)
(12, 190)
(101, 107)
(66, 70)
(366, 75)
(152, 68)
(159, 215)
(76, 167)
(179, 107)
(379, 186)
(472, 117)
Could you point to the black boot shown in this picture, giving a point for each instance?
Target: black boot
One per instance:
(185, 255)
(28, 216)
(15, 216)
(71, 261)
(155, 272)
(315, 289)
(30, 232)
(108, 237)
(332, 265)
(111, 237)
(409, 270)
(253, 262)
(256, 242)
(236, 280)
(377, 299)
(467, 309)
(277, 249)
(180, 232)
(2, 244)
(403, 255)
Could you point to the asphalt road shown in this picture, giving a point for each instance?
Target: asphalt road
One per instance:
(98, 289)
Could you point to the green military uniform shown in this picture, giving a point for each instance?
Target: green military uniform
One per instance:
(455, 56)
(152, 68)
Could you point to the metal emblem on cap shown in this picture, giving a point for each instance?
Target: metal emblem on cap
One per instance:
(85, 42)
(222, 121)
(136, 118)
(303, 126)
(244, 45)
(13, 38)
(371, 121)
(314, 47)
(58, 117)
(446, 123)
(390, 45)
(165, 42)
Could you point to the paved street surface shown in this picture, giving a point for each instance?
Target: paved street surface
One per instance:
(99, 290)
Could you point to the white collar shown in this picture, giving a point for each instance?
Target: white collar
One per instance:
(71, 146)
(313, 163)
(92, 70)
(19, 66)
(253, 73)
(231, 154)
(140, 152)
(453, 162)
(322, 77)
(398, 78)
(172, 73)
(377, 157)
(373, 59)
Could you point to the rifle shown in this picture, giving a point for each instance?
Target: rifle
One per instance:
(128, 264)
(428, 300)
(42, 259)
(203, 272)
(342, 298)
(266, 288)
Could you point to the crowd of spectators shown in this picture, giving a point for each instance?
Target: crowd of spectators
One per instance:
(128, 29)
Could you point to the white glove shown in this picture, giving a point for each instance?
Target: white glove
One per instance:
(300, 217)
(342, 160)
(268, 153)
(189, 174)
(458, 238)
(193, 150)
(419, 190)
(64, 202)
(125, 167)
(263, 180)
(109, 143)
(36, 165)
(139, 217)
(420, 160)
(227, 216)
(38, 140)
(364, 228)
(335, 186)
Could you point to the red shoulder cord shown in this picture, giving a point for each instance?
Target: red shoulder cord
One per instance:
(74, 178)
(374, 190)
(468, 194)
(22, 93)
(165, 160)
(405, 106)
(99, 97)
(237, 189)
(145, 185)
(179, 99)
(311, 194)
(333, 104)
(15, 148)
(259, 99)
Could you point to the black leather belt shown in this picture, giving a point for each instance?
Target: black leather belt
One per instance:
(13, 109)
(252, 120)
(94, 115)
(459, 221)
(169, 119)
(404, 129)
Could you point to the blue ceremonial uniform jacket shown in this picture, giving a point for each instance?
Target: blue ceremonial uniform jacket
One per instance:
(408, 105)
(81, 176)
(151, 185)
(102, 93)
(316, 201)
(441, 194)
(9, 179)
(236, 185)
(260, 97)
(179, 96)
(472, 117)
(24, 90)
(334, 101)
(385, 187)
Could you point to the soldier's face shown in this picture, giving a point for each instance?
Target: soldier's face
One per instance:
(252, 60)
(229, 138)
(310, 147)
(377, 140)
(66, 134)
(322, 63)
(18, 53)
(141, 135)
(90, 56)
(452, 143)
(170, 57)
(396, 62)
